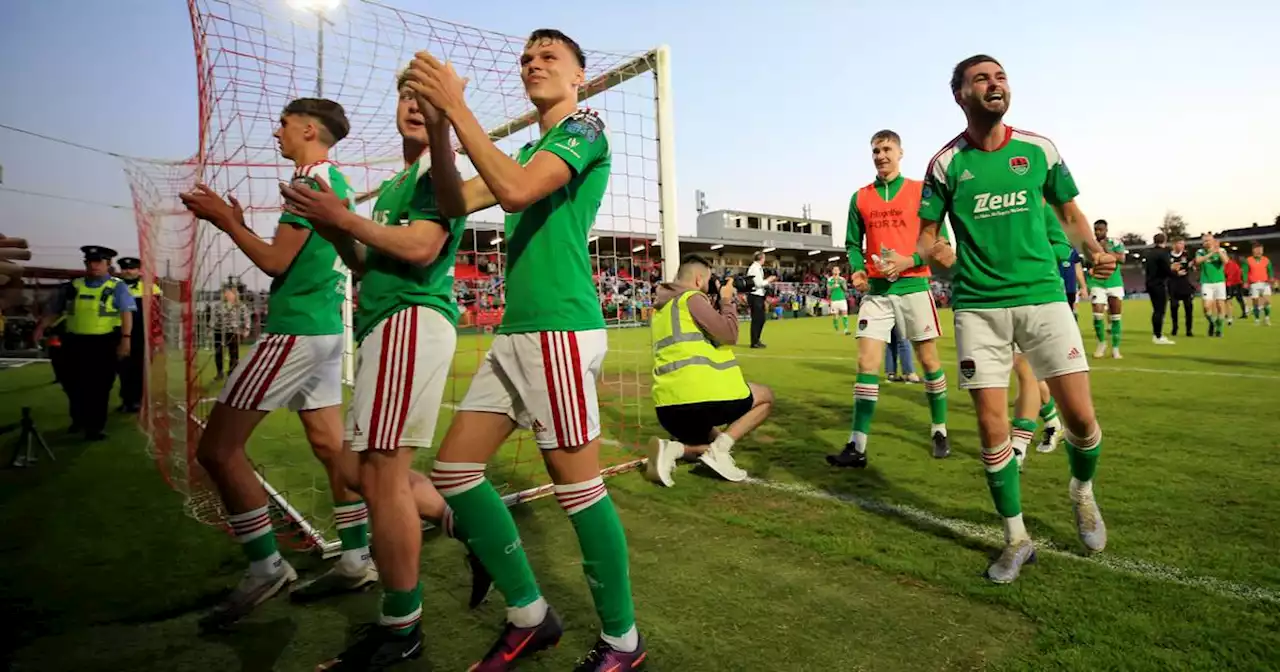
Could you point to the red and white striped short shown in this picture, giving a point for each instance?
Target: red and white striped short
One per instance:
(300, 373)
(402, 367)
(545, 381)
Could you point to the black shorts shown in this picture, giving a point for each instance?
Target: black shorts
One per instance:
(691, 424)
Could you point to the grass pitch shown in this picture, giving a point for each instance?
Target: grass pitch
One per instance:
(805, 568)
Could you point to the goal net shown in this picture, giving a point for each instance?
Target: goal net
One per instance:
(253, 57)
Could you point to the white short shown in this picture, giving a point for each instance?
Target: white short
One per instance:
(915, 314)
(545, 381)
(1213, 291)
(300, 373)
(1099, 294)
(840, 306)
(1046, 334)
(402, 367)
(1258, 289)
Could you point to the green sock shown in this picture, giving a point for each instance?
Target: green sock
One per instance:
(1218, 323)
(1002, 479)
(401, 609)
(1082, 455)
(866, 390)
(352, 521)
(604, 552)
(935, 389)
(1049, 411)
(489, 530)
(835, 323)
(1115, 331)
(845, 319)
(1099, 329)
(1266, 310)
(254, 531)
(1256, 312)
(1024, 429)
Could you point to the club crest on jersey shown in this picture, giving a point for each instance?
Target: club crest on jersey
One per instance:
(1019, 165)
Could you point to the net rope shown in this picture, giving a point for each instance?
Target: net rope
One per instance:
(254, 56)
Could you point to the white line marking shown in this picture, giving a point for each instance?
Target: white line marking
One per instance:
(1140, 568)
(852, 359)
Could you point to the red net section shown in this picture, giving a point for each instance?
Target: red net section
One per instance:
(253, 57)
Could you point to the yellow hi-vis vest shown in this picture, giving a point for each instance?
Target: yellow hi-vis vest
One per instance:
(93, 310)
(136, 290)
(687, 367)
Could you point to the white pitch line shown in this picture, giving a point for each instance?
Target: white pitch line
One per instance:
(852, 359)
(1141, 568)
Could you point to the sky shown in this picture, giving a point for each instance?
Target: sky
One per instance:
(1156, 106)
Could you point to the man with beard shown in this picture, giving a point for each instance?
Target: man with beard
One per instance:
(993, 181)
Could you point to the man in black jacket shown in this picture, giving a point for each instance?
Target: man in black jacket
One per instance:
(1181, 291)
(1158, 267)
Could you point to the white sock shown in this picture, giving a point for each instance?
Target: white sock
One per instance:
(859, 441)
(722, 442)
(266, 567)
(1081, 489)
(935, 429)
(627, 642)
(356, 557)
(529, 615)
(1014, 529)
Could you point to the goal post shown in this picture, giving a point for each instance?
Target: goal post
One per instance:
(253, 57)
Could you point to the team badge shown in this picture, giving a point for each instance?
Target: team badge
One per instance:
(926, 193)
(1019, 165)
(968, 368)
(862, 325)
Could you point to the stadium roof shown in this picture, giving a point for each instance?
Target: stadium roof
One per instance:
(687, 243)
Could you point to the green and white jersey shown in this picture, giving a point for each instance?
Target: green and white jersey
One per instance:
(549, 281)
(306, 300)
(390, 285)
(1212, 268)
(835, 288)
(996, 202)
(1115, 279)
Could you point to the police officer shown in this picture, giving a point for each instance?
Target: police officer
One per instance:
(99, 328)
(131, 368)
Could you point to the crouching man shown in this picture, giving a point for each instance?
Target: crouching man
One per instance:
(697, 385)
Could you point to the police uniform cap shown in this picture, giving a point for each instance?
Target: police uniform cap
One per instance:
(127, 263)
(98, 253)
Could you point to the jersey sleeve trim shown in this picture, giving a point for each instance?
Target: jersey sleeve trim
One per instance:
(940, 161)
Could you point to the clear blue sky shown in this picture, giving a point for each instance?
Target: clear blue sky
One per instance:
(1156, 105)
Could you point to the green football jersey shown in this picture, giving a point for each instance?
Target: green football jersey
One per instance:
(390, 285)
(835, 288)
(996, 202)
(306, 300)
(548, 276)
(1212, 267)
(1115, 279)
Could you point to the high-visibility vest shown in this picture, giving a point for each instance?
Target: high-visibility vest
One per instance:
(92, 310)
(688, 367)
(136, 290)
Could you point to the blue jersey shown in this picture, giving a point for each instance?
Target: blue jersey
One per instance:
(1068, 270)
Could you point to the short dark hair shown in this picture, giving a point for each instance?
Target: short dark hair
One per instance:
(1102, 222)
(694, 258)
(957, 74)
(1159, 239)
(556, 36)
(332, 118)
(886, 134)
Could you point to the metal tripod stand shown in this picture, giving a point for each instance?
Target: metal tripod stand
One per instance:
(24, 453)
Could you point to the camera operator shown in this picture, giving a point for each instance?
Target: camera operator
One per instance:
(1180, 288)
(755, 300)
